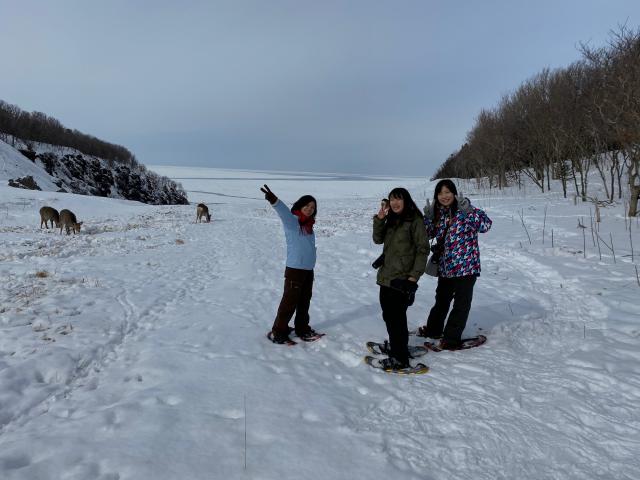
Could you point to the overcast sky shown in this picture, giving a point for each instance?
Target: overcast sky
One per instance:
(378, 87)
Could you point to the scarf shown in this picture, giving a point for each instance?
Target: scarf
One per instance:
(306, 223)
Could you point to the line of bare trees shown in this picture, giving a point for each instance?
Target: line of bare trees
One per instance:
(563, 124)
(39, 127)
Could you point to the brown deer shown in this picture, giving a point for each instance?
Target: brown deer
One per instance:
(202, 211)
(68, 220)
(49, 213)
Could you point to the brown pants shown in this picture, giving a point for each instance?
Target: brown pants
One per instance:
(298, 285)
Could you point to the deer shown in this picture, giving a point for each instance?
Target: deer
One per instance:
(68, 220)
(49, 214)
(202, 211)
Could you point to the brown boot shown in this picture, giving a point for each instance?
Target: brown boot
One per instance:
(449, 345)
(424, 332)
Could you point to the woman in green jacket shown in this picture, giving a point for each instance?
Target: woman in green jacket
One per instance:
(401, 229)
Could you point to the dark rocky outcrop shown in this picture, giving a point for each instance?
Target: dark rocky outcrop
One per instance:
(30, 154)
(26, 182)
(89, 175)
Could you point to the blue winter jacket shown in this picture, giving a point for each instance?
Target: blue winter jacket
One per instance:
(301, 247)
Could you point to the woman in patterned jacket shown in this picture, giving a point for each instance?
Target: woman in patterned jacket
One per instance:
(455, 224)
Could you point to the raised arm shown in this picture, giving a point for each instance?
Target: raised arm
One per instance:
(481, 220)
(474, 217)
(268, 194)
(379, 225)
(288, 219)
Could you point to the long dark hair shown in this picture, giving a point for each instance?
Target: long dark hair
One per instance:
(452, 188)
(410, 208)
(302, 201)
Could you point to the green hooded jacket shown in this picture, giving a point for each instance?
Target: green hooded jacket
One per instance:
(406, 248)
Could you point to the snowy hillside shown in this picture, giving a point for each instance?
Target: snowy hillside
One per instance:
(68, 170)
(137, 349)
(14, 165)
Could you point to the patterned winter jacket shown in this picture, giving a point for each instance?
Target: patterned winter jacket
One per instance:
(461, 256)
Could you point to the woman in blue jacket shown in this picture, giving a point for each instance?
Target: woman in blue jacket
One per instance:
(298, 275)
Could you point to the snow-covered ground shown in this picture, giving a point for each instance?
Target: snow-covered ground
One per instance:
(137, 350)
(14, 165)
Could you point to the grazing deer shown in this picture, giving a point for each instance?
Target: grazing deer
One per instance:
(202, 211)
(68, 220)
(49, 213)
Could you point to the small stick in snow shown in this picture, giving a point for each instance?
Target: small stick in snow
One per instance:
(525, 227)
(544, 223)
(593, 238)
(625, 211)
(612, 250)
(605, 243)
(584, 244)
(637, 276)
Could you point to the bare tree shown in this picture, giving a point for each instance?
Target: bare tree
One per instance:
(618, 108)
(562, 123)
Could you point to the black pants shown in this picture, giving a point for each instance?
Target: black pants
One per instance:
(298, 287)
(394, 312)
(460, 290)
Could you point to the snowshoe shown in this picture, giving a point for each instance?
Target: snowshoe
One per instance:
(463, 345)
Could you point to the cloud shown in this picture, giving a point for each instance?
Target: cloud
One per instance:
(378, 86)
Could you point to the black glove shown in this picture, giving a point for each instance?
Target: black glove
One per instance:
(464, 205)
(378, 262)
(269, 195)
(407, 287)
